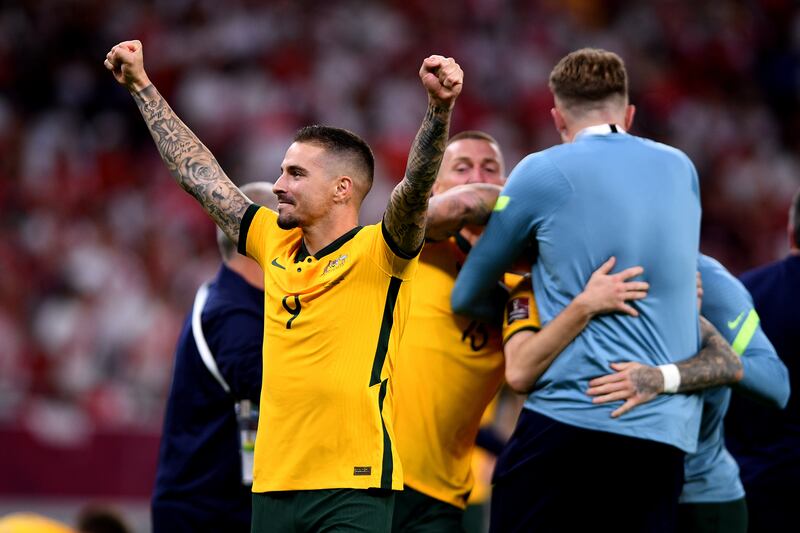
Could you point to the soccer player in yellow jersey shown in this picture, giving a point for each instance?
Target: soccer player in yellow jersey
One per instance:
(336, 301)
(450, 367)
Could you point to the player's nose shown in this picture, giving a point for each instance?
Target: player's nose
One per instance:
(278, 187)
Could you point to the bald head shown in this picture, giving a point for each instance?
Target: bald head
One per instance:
(259, 192)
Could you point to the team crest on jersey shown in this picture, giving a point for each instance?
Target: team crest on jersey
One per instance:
(333, 264)
(518, 309)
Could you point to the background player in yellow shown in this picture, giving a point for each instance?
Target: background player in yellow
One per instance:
(335, 301)
(450, 367)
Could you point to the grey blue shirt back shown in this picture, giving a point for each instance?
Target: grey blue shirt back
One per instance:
(606, 194)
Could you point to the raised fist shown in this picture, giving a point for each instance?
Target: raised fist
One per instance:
(442, 78)
(126, 63)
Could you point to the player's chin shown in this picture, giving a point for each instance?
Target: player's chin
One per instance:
(287, 221)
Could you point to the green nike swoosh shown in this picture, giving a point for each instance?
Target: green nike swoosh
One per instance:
(275, 263)
(735, 323)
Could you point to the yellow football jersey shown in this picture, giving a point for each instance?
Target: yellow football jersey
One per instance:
(483, 461)
(448, 370)
(332, 323)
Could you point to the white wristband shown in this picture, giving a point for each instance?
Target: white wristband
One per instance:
(672, 378)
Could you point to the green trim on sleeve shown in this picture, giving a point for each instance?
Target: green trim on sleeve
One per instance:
(746, 333)
(244, 227)
(502, 203)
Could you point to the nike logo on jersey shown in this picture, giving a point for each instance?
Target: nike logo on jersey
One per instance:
(733, 324)
(275, 263)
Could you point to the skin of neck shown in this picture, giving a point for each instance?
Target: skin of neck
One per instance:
(342, 218)
(569, 123)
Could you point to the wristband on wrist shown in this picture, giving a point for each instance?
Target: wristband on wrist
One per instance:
(672, 378)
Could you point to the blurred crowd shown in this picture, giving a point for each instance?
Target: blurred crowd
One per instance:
(100, 252)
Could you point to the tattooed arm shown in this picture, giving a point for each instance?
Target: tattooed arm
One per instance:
(715, 364)
(192, 165)
(463, 205)
(405, 215)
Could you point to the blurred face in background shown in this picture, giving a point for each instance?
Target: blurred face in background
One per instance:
(470, 161)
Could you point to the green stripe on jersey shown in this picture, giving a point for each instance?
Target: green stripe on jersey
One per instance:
(745, 334)
(502, 202)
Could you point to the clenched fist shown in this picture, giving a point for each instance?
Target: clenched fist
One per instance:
(126, 63)
(442, 78)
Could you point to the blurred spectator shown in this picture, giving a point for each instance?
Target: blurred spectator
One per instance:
(100, 519)
(91, 519)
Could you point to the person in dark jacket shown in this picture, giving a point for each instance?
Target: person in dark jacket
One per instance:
(201, 477)
(766, 442)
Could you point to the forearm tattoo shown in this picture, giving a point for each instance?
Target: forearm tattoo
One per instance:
(192, 165)
(405, 215)
(647, 380)
(715, 364)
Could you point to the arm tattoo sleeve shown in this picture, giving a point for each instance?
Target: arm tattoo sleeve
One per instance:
(405, 216)
(192, 165)
(715, 364)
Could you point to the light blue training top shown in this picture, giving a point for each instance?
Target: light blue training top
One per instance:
(605, 194)
(711, 473)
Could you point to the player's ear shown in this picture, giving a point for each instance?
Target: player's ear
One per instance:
(559, 123)
(344, 189)
(630, 111)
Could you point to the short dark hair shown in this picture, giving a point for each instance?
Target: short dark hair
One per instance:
(589, 75)
(473, 134)
(794, 218)
(341, 142)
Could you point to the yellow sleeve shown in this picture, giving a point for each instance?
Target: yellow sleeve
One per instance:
(257, 223)
(520, 312)
(392, 260)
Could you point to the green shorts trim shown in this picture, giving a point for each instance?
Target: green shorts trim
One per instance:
(415, 512)
(300, 511)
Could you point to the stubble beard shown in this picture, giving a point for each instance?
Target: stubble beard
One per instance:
(287, 221)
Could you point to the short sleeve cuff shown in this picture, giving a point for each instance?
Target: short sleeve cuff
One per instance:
(247, 219)
(396, 249)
